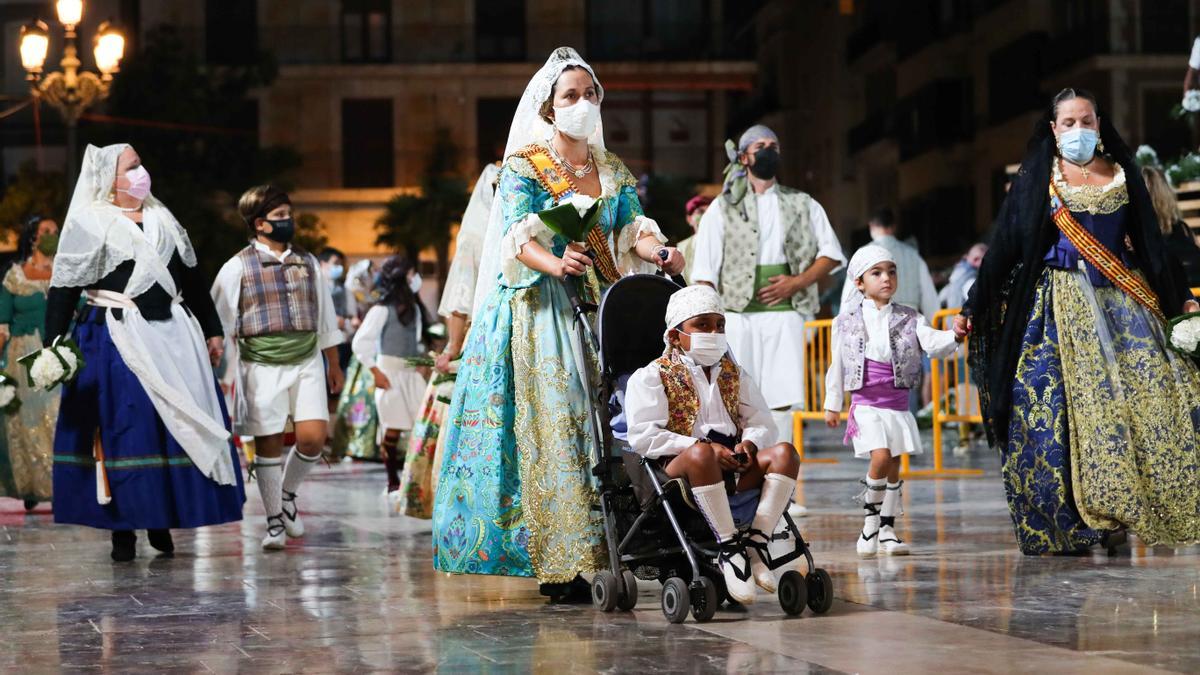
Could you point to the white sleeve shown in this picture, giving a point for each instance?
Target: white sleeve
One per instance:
(227, 294)
(827, 242)
(1194, 59)
(366, 341)
(929, 295)
(835, 396)
(646, 414)
(709, 250)
(758, 426)
(938, 344)
(328, 334)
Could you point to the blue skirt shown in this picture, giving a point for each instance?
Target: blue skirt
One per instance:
(153, 483)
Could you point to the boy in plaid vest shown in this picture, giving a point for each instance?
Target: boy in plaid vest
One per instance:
(273, 303)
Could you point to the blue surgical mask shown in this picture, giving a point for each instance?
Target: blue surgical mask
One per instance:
(1078, 145)
(335, 272)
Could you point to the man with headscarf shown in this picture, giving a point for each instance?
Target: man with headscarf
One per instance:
(764, 247)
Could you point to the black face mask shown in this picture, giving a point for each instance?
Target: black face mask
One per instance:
(766, 163)
(282, 231)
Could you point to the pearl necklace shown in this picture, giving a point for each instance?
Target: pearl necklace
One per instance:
(579, 173)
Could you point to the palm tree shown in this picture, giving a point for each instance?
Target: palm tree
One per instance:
(412, 223)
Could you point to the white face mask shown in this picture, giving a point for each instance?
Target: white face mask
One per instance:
(414, 283)
(577, 121)
(707, 348)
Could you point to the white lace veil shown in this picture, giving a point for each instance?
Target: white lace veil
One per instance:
(97, 237)
(528, 127)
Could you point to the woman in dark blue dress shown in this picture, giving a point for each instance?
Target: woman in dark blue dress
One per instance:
(146, 402)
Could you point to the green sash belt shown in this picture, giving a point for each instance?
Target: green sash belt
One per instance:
(279, 349)
(762, 279)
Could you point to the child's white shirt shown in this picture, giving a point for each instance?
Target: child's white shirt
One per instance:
(647, 412)
(937, 344)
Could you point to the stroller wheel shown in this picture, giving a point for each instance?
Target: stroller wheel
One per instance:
(627, 600)
(704, 599)
(675, 600)
(605, 591)
(793, 592)
(820, 591)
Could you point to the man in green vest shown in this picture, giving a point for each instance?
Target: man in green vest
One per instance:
(764, 247)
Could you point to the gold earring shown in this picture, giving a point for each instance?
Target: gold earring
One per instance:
(1100, 147)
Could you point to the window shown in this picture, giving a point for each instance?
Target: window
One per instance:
(231, 32)
(366, 31)
(1014, 71)
(1169, 136)
(492, 119)
(650, 29)
(367, 143)
(1165, 26)
(500, 30)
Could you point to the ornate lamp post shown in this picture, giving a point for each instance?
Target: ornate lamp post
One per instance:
(71, 90)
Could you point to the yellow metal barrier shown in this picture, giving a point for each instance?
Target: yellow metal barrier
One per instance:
(1196, 292)
(818, 350)
(948, 376)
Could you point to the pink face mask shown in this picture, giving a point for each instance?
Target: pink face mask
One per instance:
(139, 183)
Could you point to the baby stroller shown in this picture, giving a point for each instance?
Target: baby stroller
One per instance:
(653, 530)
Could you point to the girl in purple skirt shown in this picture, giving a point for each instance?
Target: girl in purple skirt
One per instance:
(876, 356)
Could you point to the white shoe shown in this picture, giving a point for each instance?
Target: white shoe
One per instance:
(393, 502)
(741, 590)
(276, 537)
(763, 576)
(797, 511)
(889, 543)
(291, 516)
(868, 539)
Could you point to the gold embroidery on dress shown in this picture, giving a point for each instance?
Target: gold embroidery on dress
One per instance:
(683, 403)
(1093, 199)
(553, 445)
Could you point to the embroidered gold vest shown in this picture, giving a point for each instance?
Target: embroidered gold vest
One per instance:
(683, 404)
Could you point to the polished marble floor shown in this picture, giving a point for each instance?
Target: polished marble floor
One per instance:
(358, 594)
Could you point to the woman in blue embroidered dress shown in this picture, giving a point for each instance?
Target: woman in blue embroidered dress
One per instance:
(515, 494)
(1095, 417)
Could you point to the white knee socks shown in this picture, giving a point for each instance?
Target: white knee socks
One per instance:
(891, 505)
(776, 495)
(298, 466)
(714, 505)
(269, 471)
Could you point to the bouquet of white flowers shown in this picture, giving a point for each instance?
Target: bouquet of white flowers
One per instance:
(53, 365)
(1191, 100)
(1183, 333)
(9, 401)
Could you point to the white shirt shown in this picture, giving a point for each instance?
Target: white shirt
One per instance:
(1194, 59)
(646, 411)
(227, 295)
(366, 340)
(710, 247)
(914, 285)
(938, 344)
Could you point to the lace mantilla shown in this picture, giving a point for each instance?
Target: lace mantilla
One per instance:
(1093, 199)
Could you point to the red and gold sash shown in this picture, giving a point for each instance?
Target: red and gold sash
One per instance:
(558, 183)
(1101, 258)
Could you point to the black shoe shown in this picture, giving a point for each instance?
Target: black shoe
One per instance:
(161, 541)
(31, 504)
(575, 592)
(124, 545)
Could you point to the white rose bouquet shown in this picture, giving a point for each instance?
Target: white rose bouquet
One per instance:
(9, 401)
(53, 365)
(1191, 101)
(1183, 333)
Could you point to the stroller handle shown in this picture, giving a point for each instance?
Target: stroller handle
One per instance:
(663, 255)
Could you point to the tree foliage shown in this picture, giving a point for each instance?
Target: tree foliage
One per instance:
(413, 223)
(32, 192)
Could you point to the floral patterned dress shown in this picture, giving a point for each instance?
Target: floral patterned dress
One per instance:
(515, 495)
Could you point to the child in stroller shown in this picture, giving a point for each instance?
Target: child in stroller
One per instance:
(699, 416)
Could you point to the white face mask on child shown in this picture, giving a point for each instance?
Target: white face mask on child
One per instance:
(707, 348)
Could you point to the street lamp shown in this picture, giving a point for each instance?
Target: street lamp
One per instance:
(71, 90)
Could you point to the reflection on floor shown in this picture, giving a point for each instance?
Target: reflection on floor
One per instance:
(359, 594)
